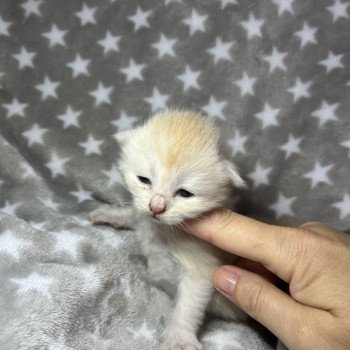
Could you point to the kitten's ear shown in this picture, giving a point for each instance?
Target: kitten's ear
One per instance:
(233, 175)
(123, 136)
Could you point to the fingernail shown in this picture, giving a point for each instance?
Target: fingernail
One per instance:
(225, 279)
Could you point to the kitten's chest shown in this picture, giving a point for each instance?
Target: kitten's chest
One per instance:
(194, 256)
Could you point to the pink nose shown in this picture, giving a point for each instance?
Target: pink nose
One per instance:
(157, 205)
(156, 210)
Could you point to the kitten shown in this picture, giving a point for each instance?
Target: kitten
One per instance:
(174, 171)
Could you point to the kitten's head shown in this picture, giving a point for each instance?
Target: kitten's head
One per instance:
(173, 168)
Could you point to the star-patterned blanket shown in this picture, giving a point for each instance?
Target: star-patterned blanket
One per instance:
(273, 74)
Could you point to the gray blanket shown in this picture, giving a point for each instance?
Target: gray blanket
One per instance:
(273, 74)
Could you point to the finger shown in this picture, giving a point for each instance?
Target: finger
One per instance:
(257, 268)
(268, 244)
(325, 231)
(265, 303)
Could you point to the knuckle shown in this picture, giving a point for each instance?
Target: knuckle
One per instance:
(312, 225)
(252, 299)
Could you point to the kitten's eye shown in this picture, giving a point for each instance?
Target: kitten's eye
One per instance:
(183, 193)
(144, 180)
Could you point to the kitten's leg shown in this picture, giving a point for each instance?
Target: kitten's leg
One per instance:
(117, 217)
(194, 294)
(164, 271)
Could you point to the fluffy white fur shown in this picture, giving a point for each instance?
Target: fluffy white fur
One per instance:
(176, 150)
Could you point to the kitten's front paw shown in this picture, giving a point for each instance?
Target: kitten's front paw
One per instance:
(173, 344)
(104, 215)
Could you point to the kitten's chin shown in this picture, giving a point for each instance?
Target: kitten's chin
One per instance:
(164, 221)
(169, 221)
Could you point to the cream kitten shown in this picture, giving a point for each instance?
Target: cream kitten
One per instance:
(174, 171)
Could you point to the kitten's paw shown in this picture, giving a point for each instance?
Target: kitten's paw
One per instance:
(172, 344)
(105, 215)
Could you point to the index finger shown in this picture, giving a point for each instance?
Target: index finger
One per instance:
(267, 244)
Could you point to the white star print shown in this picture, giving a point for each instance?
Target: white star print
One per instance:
(68, 243)
(326, 112)
(4, 27)
(332, 62)
(167, 2)
(157, 100)
(15, 108)
(300, 89)
(214, 108)
(113, 175)
(307, 35)
(86, 15)
(56, 165)
(70, 117)
(11, 245)
(79, 66)
(284, 6)
(252, 26)
(35, 134)
(81, 194)
(237, 143)
(101, 94)
(25, 58)
(143, 332)
(346, 144)
(246, 85)
(31, 7)
(140, 19)
(189, 79)
(97, 342)
(28, 171)
(9, 209)
(195, 22)
(133, 71)
(283, 206)
(291, 146)
(268, 116)
(34, 282)
(92, 280)
(343, 206)
(221, 50)
(80, 222)
(110, 238)
(91, 145)
(37, 225)
(47, 88)
(275, 60)
(338, 10)
(49, 203)
(225, 3)
(125, 287)
(109, 43)
(224, 340)
(55, 36)
(260, 175)
(165, 46)
(124, 122)
(319, 174)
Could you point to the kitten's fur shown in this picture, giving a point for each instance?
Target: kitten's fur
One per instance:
(176, 150)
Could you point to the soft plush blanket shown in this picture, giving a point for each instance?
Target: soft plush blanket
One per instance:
(273, 74)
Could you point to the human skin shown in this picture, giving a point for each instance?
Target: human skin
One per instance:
(313, 259)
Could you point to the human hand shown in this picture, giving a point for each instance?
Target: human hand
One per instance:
(313, 259)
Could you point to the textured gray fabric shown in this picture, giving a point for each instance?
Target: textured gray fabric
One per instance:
(274, 74)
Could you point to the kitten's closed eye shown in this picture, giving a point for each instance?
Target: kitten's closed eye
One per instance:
(144, 180)
(183, 193)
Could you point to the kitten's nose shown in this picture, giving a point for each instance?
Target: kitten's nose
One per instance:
(157, 205)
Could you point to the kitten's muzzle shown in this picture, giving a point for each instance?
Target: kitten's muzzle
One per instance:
(157, 205)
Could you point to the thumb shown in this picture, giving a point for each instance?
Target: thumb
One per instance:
(260, 299)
